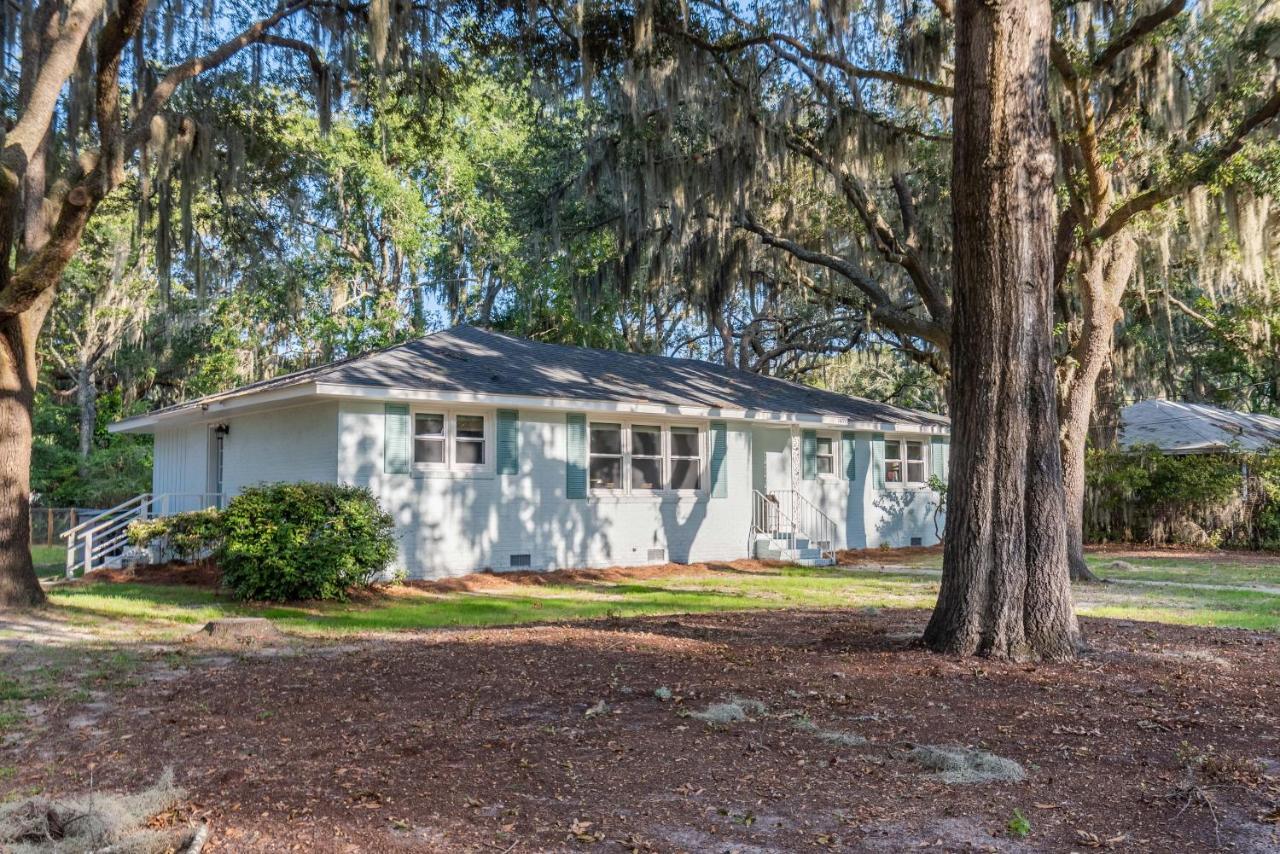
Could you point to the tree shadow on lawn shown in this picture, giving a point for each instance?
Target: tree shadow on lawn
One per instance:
(488, 737)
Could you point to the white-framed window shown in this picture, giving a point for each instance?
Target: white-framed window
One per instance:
(917, 468)
(686, 458)
(469, 439)
(647, 464)
(604, 457)
(429, 439)
(892, 461)
(644, 457)
(445, 440)
(905, 462)
(826, 456)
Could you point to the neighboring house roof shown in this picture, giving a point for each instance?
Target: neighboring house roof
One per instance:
(1193, 428)
(470, 363)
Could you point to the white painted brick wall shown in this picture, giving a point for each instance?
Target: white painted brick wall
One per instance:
(281, 445)
(453, 524)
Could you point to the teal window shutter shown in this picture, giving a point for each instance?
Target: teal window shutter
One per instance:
(938, 461)
(809, 451)
(847, 441)
(719, 451)
(396, 440)
(877, 459)
(575, 476)
(508, 441)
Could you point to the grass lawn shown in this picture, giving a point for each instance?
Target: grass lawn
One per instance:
(173, 610)
(50, 561)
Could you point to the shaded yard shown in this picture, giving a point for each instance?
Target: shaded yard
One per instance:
(365, 732)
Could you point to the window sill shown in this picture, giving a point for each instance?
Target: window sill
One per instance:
(452, 474)
(645, 497)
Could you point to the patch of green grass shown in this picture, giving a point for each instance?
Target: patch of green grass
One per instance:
(1209, 569)
(176, 609)
(50, 561)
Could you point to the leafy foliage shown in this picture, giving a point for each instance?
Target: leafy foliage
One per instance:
(1194, 499)
(304, 541)
(187, 535)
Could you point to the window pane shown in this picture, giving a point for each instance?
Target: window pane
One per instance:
(824, 445)
(892, 471)
(646, 441)
(428, 450)
(915, 472)
(606, 472)
(606, 439)
(646, 473)
(425, 424)
(826, 465)
(893, 450)
(686, 474)
(471, 426)
(684, 441)
(915, 451)
(469, 452)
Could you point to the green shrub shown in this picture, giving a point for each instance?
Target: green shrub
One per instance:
(187, 535)
(304, 541)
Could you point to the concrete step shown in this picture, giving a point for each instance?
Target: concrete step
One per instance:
(781, 550)
(786, 540)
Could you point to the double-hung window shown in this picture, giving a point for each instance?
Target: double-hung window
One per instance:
(892, 461)
(643, 458)
(905, 462)
(468, 440)
(450, 440)
(686, 458)
(604, 467)
(429, 439)
(646, 457)
(826, 455)
(916, 469)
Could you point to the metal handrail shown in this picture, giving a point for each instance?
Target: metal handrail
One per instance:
(107, 531)
(105, 513)
(802, 517)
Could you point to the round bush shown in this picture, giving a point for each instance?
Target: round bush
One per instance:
(304, 541)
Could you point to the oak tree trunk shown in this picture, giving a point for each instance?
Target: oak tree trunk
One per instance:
(1104, 275)
(1005, 588)
(19, 587)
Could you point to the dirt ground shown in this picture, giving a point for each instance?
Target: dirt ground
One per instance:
(579, 737)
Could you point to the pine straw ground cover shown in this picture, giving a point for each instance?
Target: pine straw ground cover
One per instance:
(587, 737)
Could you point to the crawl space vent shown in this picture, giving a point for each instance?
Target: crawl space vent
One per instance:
(657, 554)
(917, 541)
(521, 561)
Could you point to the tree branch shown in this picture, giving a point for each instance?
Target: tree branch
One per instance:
(1202, 172)
(884, 310)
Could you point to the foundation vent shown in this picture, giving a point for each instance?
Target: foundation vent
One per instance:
(523, 561)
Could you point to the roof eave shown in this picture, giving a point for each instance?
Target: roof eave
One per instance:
(539, 402)
(213, 410)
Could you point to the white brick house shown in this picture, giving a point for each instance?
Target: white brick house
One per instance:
(494, 452)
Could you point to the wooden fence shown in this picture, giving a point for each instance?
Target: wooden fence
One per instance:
(48, 523)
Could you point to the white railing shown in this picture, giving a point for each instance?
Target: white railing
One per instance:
(94, 541)
(788, 514)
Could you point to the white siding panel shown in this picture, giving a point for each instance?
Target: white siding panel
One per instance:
(282, 445)
(181, 460)
(453, 524)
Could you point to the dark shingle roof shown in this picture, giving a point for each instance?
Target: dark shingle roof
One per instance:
(477, 361)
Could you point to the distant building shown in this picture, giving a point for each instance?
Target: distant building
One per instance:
(1193, 428)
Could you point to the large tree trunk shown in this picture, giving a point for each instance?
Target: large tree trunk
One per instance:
(19, 587)
(1103, 279)
(1005, 588)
